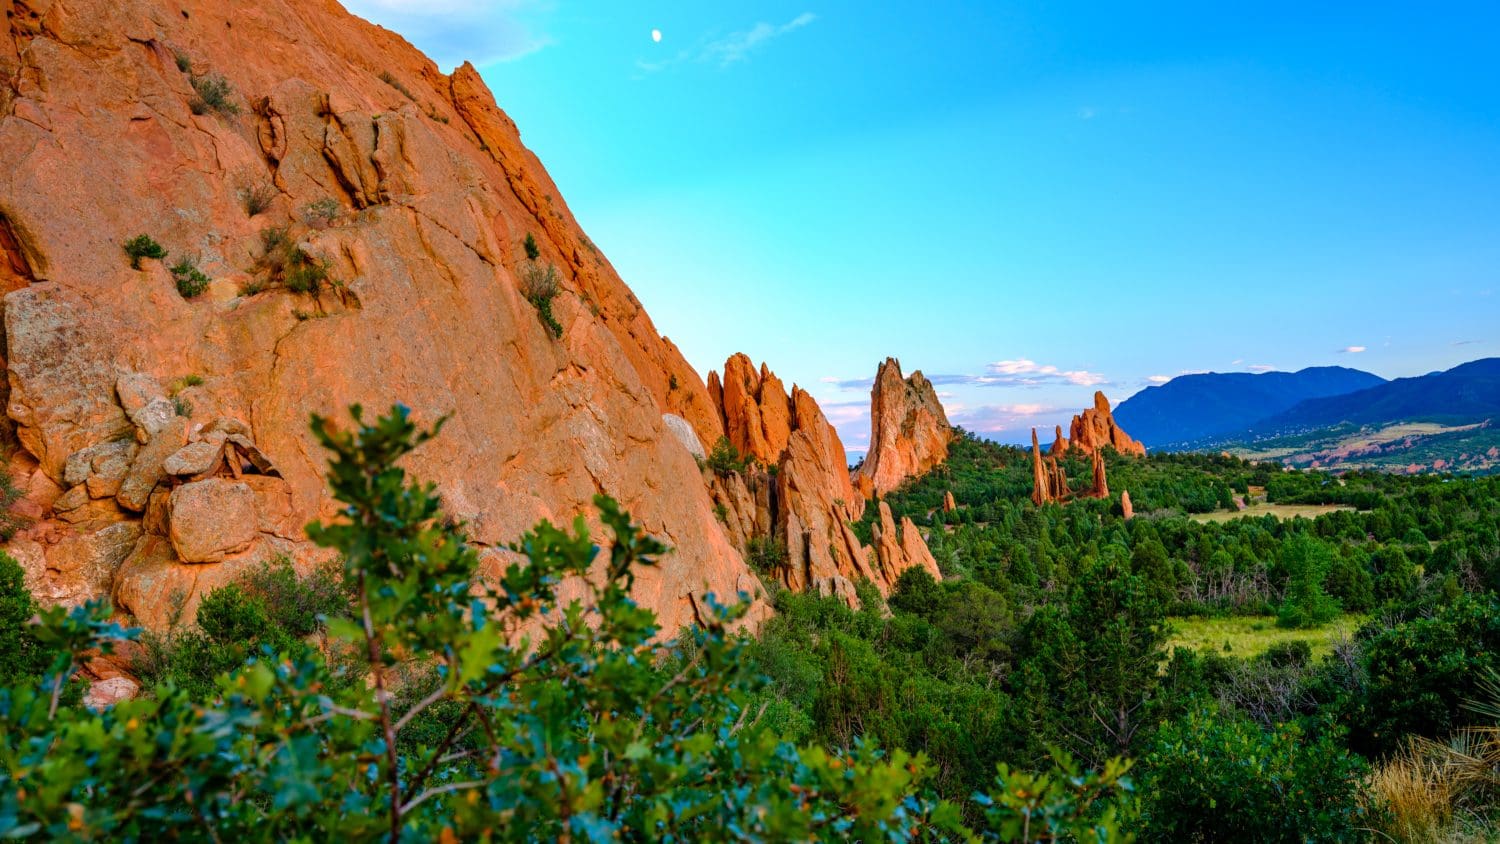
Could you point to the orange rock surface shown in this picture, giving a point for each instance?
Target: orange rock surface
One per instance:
(429, 193)
(909, 432)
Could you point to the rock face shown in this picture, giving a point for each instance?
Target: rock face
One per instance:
(1126, 508)
(125, 396)
(805, 506)
(909, 433)
(1095, 428)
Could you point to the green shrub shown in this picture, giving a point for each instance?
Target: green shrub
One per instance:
(284, 262)
(1213, 777)
(1419, 674)
(532, 251)
(766, 555)
(189, 279)
(269, 610)
(725, 459)
(212, 94)
(305, 275)
(10, 521)
(540, 285)
(142, 246)
(180, 384)
(22, 657)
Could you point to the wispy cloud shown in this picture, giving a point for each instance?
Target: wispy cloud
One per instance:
(731, 49)
(1464, 342)
(1029, 373)
(454, 31)
(1001, 373)
(1351, 350)
(1158, 379)
(1263, 367)
(1001, 418)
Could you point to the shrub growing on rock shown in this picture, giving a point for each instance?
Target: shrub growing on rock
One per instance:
(539, 285)
(256, 196)
(212, 93)
(143, 246)
(190, 280)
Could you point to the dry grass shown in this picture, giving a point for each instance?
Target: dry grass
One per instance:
(1418, 798)
(1445, 791)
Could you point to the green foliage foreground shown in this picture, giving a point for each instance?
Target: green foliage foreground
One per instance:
(448, 724)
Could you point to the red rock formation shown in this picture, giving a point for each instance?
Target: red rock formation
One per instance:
(949, 505)
(1126, 507)
(435, 193)
(807, 507)
(1101, 483)
(755, 409)
(1095, 428)
(1059, 444)
(1050, 484)
(909, 433)
(896, 551)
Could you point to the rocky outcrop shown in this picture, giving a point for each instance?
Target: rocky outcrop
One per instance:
(1049, 483)
(897, 550)
(754, 407)
(1094, 429)
(797, 492)
(1127, 509)
(116, 381)
(909, 432)
(949, 505)
(1059, 444)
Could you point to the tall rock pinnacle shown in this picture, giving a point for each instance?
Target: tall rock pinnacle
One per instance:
(909, 432)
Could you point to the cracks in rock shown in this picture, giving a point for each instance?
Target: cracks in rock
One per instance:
(16, 266)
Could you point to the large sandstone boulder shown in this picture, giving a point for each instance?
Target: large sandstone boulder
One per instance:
(909, 432)
(436, 193)
(211, 519)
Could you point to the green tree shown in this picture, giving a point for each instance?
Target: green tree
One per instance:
(1306, 561)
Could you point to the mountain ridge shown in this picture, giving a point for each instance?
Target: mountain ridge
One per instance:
(1199, 405)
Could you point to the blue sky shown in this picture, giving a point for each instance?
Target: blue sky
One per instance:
(1027, 201)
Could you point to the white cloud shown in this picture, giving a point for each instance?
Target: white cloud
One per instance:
(1029, 373)
(736, 46)
(1003, 373)
(1000, 418)
(733, 48)
(1351, 350)
(1158, 379)
(1261, 367)
(454, 31)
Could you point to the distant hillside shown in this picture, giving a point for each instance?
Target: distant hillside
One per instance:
(1194, 407)
(1469, 392)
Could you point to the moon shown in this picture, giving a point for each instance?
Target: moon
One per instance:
(656, 35)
